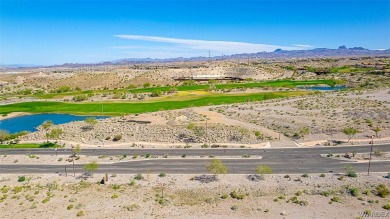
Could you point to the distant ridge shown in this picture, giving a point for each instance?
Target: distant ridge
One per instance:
(342, 51)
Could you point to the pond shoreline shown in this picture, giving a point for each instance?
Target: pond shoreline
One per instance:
(16, 122)
(13, 115)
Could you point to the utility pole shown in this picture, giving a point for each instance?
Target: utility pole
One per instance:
(74, 173)
(207, 137)
(162, 191)
(369, 162)
(209, 56)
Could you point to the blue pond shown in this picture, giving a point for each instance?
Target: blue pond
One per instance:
(30, 122)
(323, 88)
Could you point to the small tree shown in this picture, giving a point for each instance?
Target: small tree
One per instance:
(46, 126)
(216, 167)
(55, 133)
(263, 169)
(376, 130)
(156, 93)
(172, 90)
(76, 150)
(91, 167)
(304, 131)
(350, 171)
(350, 132)
(4, 135)
(259, 135)
(91, 121)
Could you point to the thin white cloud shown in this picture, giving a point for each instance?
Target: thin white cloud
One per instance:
(303, 46)
(126, 47)
(226, 47)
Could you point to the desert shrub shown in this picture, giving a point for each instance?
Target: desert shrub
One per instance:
(189, 82)
(303, 203)
(21, 178)
(172, 90)
(382, 190)
(117, 137)
(62, 89)
(45, 200)
(335, 199)
(4, 189)
(163, 201)
(114, 196)
(131, 86)
(115, 186)
(80, 214)
(224, 196)
(191, 126)
(367, 212)
(116, 96)
(298, 193)
(156, 93)
(294, 200)
(325, 193)
(80, 98)
(386, 206)
(305, 175)
(234, 207)
(139, 177)
(17, 189)
(322, 175)
(132, 207)
(235, 195)
(162, 174)
(70, 207)
(350, 171)
(354, 191)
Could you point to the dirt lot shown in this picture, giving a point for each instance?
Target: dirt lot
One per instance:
(177, 196)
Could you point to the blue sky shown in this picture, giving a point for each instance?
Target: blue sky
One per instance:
(64, 31)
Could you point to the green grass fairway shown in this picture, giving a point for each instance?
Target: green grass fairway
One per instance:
(277, 83)
(45, 145)
(122, 108)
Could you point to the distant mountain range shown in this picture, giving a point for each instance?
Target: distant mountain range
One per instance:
(342, 51)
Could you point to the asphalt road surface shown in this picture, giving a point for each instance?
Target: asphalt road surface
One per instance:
(282, 161)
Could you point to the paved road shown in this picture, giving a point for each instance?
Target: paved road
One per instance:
(291, 160)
